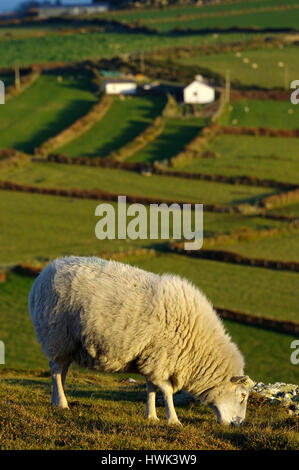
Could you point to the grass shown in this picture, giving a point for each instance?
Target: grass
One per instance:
(56, 105)
(255, 343)
(260, 113)
(177, 133)
(27, 233)
(37, 228)
(77, 47)
(126, 118)
(291, 210)
(284, 248)
(106, 413)
(268, 74)
(126, 182)
(260, 19)
(175, 12)
(262, 157)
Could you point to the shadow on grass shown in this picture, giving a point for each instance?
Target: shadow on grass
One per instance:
(168, 144)
(65, 118)
(132, 128)
(254, 199)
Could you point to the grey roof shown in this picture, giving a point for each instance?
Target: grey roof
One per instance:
(119, 80)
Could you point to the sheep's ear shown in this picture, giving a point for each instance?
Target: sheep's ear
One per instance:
(241, 379)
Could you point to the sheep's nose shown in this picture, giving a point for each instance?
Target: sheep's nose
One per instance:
(237, 421)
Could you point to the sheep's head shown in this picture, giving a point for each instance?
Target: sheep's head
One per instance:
(229, 400)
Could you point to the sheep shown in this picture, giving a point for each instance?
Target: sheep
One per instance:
(114, 317)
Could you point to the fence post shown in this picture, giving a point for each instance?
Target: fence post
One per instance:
(2, 92)
(2, 353)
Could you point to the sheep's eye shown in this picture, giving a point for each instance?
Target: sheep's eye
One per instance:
(243, 395)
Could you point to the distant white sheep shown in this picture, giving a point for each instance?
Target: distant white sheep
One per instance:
(114, 317)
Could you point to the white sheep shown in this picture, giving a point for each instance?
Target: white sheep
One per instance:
(114, 317)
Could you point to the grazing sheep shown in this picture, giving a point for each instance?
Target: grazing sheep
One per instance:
(114, 317)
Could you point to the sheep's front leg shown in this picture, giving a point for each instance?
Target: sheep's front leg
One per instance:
(58, 396)
(151, 401)
(171, 415)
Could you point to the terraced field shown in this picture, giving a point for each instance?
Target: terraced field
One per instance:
(78, 47)
(274, 66)
(262, 157)
(36, 228)
(255, 113)
(125, 182)
(125, 120)
(34, 216)
(261, 19)
(176, 12)
(283, 248)
(56, 106)
(177, 133)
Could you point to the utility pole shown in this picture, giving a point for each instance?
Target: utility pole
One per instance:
(227, 87)
(286, 77)
(17, 76)
(142, 62)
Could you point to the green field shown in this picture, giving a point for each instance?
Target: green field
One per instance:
(77, 47)
(176, 12)
(176, 134)
(291, 210)
(126, 182)
(263, 157)
(267, 74)
(260, 113)
(265, 19)
(27, 233)
(56, 105)
(284, 248)
(126, 118)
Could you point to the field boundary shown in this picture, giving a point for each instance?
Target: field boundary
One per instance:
(235, 258)
(239, 179)
(255, 131)
(77, 128)
(25, 82)
(99, 194)
(13, 158)
(281, 199)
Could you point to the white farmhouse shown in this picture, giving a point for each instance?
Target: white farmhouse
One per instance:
(198, 92)
(118, 86)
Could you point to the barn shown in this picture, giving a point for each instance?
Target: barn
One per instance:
(120, 86)
(198, 92)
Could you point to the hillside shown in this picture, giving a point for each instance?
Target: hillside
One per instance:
(107, 412)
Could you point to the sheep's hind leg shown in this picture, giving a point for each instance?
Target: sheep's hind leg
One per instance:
(151, 401)
(58, 375)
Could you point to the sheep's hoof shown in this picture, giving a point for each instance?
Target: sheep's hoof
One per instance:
(174, 422)
(153, 419)
(61, 406)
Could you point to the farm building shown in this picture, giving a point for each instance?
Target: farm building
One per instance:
(53, 11)
(198, 92)
(120, 86)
